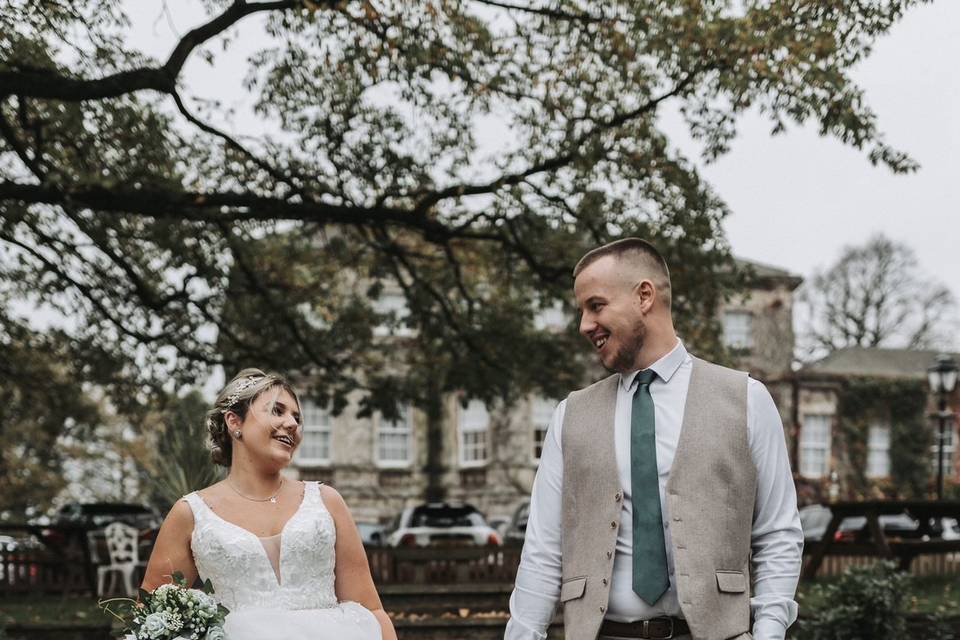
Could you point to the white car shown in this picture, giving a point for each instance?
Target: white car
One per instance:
(439, 524)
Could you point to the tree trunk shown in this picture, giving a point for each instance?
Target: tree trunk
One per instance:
(434, 468)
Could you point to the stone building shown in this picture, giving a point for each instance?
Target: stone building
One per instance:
(822, 453)
(491, 455)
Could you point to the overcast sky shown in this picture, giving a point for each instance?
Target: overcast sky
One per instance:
(797, 198)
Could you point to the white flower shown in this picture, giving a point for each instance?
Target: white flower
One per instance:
(205, 602)
(163, 590)
(155, 625)
(215, 633)
(174, 622)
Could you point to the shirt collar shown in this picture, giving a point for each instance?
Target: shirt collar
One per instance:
(665, 367)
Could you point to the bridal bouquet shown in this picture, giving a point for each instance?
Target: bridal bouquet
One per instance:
(171, 612)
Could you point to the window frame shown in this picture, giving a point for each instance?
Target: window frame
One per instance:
(307, 408)
(748, 317)
(464, 428)
(805, 446)
(406, 413)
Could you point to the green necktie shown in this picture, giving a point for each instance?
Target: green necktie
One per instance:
(650, 579)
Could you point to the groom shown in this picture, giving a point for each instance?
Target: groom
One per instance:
(664, 491)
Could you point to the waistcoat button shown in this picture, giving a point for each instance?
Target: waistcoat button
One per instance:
(619, 496)
(609, 554)
(604, 581)
(613, 525)
(602, 609)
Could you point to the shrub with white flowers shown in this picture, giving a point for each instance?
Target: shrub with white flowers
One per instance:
(172, 612)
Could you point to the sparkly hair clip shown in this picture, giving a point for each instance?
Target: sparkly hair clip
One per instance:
(242, 386)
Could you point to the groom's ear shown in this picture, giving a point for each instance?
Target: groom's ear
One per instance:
(646, 295)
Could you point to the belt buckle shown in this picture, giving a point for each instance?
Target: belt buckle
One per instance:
(646, 630)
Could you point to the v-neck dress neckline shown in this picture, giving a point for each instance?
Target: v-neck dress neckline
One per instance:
(272, 546)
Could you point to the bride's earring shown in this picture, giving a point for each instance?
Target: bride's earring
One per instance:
(238, 434)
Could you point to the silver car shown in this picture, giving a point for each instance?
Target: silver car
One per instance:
(439, 524)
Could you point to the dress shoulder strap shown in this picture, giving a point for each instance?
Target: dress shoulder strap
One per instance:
(197, 506)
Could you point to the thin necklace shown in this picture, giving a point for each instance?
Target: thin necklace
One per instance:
(272, 498)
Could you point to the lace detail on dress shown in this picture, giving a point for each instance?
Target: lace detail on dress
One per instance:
(238, 566)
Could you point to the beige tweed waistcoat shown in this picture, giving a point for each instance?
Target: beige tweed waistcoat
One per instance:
(710, 502)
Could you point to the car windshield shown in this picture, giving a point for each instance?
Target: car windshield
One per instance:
(442, 517)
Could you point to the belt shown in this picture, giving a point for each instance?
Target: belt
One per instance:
(652, 629)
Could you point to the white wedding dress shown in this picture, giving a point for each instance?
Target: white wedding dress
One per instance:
(280, 587)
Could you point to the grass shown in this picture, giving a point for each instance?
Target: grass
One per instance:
(939, 594)
(45, 609)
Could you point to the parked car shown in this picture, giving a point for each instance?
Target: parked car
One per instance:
(949, 529)
(517, 529)
(94, 516)
(442, 525)
(815, 518)
(8, 543)
(371, 533)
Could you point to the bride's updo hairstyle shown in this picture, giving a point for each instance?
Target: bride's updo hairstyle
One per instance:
(237, 396)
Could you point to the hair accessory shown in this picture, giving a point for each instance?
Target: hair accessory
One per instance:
(242, 386)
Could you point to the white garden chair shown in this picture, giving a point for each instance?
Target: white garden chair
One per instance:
(122, 548)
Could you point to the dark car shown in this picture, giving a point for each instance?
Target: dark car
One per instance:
(91, 517)
(96, 515)
(517, 529)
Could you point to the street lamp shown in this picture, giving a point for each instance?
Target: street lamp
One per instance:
(943, 380)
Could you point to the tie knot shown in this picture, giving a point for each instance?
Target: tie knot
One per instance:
(645, 377)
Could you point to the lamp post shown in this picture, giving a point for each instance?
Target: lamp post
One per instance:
(942, 375)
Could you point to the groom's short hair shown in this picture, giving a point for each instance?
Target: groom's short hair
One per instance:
(642, 256)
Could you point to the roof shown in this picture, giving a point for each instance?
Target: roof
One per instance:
(765, 273)
(874, 362)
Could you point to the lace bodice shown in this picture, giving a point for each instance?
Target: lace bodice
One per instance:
(237, 564)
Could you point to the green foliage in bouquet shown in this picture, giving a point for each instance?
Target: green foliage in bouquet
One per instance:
(173, 611)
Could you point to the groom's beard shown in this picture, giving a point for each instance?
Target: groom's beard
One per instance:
(627, 355)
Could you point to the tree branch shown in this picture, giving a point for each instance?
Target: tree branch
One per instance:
(556, 162)
(547, 12)
(230, 207)
(48, 84)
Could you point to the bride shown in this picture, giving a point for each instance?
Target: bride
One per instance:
(284, 557)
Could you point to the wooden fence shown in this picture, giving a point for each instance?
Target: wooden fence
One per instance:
(70, 567)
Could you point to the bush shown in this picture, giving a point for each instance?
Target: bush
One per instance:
(866, 603)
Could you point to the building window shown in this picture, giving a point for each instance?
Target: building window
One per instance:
(815, 446)
(878, 451)
(395, 440)
(738, 329)
(949, 447)
(317, 430)
(541, 414)
(474, 427)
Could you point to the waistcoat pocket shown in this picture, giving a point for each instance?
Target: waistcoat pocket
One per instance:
(731, 581)
(573, 588)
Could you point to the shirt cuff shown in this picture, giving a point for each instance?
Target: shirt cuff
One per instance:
(516, 630)
(769, 629)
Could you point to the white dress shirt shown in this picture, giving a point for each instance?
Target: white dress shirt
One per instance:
(776, 539)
